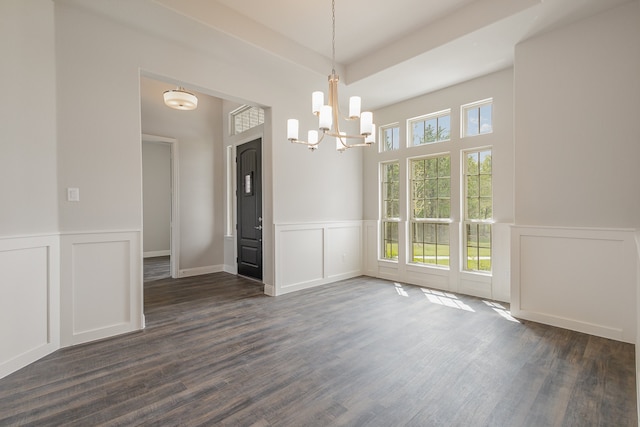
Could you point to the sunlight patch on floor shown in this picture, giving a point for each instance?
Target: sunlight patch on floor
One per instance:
(400, 290)
(501, 310)
(446, 299)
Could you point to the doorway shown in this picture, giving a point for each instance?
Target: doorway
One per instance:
(249, 208)
(160, 202)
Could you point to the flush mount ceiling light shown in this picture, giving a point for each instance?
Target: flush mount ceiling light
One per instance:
(180, 99)
(328, 115)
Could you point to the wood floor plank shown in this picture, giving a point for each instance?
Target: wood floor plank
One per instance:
(216, 351)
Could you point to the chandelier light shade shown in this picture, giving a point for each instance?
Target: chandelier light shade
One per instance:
(329, 114)
(180, 99)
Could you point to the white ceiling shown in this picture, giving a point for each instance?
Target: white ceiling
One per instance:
(362, 26)
(386, 50)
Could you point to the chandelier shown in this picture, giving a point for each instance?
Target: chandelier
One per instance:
(180, 99)
(329, 114)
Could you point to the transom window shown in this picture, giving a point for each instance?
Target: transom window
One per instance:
(390, 137)
(390, 192)
(477, 118)
(434, 127)
(478, 210)
(244, 118)
(430, 209)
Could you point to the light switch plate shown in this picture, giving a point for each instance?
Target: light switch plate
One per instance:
(73, 194)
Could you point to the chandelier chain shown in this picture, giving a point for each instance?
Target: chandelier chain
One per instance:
(333, 36)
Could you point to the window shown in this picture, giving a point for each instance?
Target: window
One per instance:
(390, 137)
(434, 127)
(477, 118)
(478, 204)
(430, 209)
(390, 195)
(245, 118)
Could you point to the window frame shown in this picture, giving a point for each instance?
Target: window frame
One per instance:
(436, 221)
(384, 219)
(237, 112)
(381, 134)
(466, 221)
(464, 125)
(424, 118)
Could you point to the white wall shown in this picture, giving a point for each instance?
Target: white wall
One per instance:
(577, 97)
(156, 191)
(199, 136)
(29, 248)
(577, 124)
(28, 119)
(498, 86)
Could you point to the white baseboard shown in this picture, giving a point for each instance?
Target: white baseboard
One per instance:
(197, 271)
(152, 254)
(270, 290)
(573, 325)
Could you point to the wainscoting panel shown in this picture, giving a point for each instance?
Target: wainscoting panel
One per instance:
(313, 254)
(370, 245)
(390, 270)
(579, 279)
(344, 251)
(101, 285)
(501, 274)
(428, 277)
(29, 300)
(477, 285)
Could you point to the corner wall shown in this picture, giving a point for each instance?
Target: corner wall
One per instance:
(577, 205)
(29, 245)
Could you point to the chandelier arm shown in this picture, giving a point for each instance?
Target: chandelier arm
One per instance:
(302, 142)
(337, 135)
(360, 144)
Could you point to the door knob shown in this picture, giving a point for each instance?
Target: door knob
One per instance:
(258, 227)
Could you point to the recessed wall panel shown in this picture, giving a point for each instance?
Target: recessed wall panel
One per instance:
(24, 297)
(344, 250)
(101, 285)
(302, 256)
(576, 278)
(565, 277)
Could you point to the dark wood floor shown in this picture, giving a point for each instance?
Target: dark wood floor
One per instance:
(156, 268)
(362, 352)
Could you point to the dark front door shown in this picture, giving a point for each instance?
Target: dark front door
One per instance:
(249, 187)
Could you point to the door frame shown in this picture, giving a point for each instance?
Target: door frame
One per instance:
(174, 225)
(236, 204)
(260, 137)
